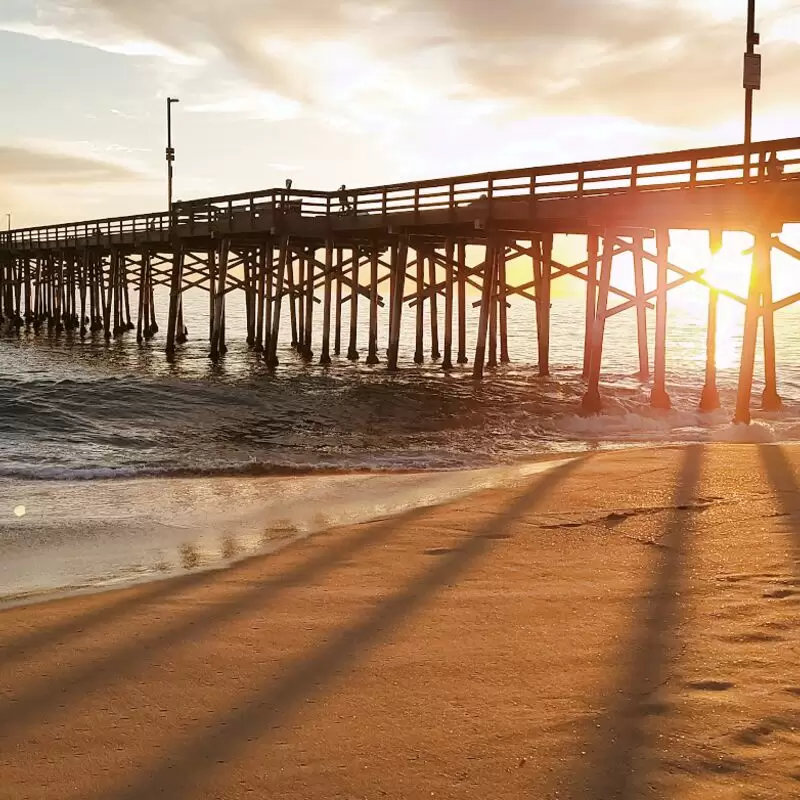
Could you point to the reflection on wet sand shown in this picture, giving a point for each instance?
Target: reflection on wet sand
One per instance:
(105, 534)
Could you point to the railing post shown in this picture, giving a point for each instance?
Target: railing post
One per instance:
(532, 196)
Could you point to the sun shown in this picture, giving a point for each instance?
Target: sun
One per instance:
(729, 269)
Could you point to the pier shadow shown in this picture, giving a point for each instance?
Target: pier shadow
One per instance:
(109, 610)
(614, 756)
(27, 708)
(786, 488)
(259, 713)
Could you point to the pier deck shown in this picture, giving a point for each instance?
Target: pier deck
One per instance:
(291, 246)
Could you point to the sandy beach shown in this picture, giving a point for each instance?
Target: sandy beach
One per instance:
(623, 626)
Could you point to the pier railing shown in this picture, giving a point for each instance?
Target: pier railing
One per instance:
(678, 170)
(684, 169)
(97, 231)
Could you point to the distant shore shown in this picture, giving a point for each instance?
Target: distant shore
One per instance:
(623, 625)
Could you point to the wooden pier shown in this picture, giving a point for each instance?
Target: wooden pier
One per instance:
(404, 246)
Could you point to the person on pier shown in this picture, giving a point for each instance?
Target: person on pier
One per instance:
(774, 167)
(344, 200)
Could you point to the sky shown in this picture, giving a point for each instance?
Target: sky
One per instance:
(361, 91)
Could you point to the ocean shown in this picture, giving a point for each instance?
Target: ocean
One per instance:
(117, 465)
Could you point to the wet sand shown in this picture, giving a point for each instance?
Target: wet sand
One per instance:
(624, 626)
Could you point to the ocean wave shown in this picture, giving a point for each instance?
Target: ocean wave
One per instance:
(251, 470)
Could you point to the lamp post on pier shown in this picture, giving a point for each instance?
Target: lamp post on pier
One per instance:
(752, 80)
(170, 153)
(8, 219)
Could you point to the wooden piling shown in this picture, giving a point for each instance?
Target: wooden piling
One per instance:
(462, 302)
(140, 322)
(337, 336)
(115, 289)
(399, 267)
(311, 261)
(279, 291)
(491, 361)
(659, 399)
(372, 345)
(391, 278)
(543, 309)
(770, 399)
(28, 295)
(108, 300)
(212, 292)
(449, 250)
(641, 309)
(181, 334)
(261, 284)
(502, 304)
(128, 322)
(175, 291)
(752, 312)
(592, 255)
(153, 320)
(268, 249)
(301, 303)
(83, 282)
(592, 402)
(219, 300)
(249, 266)
(292, 297)
(91, 290)
(352, 350)
(327, 298)
(489, 272)
(709, 399)
(434, 305)
(419, 353)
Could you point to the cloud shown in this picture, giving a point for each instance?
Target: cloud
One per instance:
(663, 62)
(246, 102)
(108, 42)
(24, 165)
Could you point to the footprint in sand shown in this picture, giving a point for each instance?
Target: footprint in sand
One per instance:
(710, 686)
(779, 594)
(756, 734)
(753, 638)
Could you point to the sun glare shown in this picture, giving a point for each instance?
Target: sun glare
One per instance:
(729, 269)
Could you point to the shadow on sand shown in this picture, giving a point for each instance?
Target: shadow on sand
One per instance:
(614, 762)
(263, 710)
(256, 715)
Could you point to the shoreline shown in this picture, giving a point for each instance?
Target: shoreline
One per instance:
(622, 624)
(282, 527)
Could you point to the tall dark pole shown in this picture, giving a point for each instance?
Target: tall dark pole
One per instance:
(170, 152)
(752, 80)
